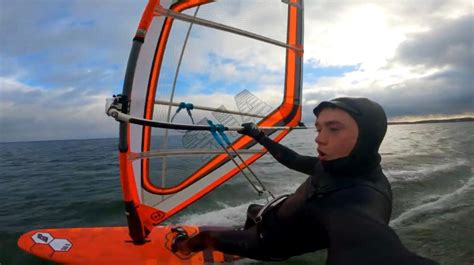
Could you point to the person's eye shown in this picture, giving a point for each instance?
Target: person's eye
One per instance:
(334, 129)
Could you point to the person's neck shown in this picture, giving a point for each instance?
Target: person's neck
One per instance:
(351, 165)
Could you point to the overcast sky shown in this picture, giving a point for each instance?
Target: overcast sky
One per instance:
(59, 60)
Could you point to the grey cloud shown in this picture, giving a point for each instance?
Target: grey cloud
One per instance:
(426, 96)
(29, 113)
(446, 93)
(450, 43)
(307, 115)
(450, 47)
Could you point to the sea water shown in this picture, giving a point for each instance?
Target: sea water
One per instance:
(75, 183)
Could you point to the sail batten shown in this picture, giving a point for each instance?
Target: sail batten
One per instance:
(218, 26)
(186, 152)
(175, 104)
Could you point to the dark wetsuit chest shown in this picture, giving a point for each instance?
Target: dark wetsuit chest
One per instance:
(369, 195)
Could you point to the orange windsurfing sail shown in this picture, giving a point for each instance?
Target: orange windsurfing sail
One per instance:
(159, 76)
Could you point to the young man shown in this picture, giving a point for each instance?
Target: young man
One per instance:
(344, 205)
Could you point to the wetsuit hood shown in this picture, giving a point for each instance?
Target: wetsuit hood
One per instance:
(372, 122)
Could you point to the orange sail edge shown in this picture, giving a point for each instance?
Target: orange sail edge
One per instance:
(112, 245)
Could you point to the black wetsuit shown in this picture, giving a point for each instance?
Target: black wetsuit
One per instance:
(344, 206)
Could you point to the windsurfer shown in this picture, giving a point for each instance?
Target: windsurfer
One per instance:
(344, 205)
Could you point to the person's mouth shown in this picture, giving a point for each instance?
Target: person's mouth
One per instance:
(321, 154)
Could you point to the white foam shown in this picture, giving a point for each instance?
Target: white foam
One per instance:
(285, 189)
(232, 215)
(432, 204)
(422, 172)
(228, 216)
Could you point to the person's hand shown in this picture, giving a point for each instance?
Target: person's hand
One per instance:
(251, 130)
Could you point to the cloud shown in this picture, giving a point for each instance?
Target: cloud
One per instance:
(59, 61)
(452, 42)
(356, 33)
(231, 56)
(429, 72)
(67, 44)
(33, 113)
(446, 54)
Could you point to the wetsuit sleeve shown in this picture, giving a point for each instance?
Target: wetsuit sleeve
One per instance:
(288, 157)
(355, 220)
(357, 239)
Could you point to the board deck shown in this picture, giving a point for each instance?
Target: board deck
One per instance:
(112, 245)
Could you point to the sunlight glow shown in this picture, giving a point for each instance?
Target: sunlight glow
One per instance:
(361, 35)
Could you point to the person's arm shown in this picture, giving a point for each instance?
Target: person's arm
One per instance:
(281, 153)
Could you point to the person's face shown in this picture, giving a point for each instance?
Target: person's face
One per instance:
(337, 134)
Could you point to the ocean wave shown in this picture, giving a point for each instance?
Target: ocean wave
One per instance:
(422, 172)
(432, 205)
(228, 216)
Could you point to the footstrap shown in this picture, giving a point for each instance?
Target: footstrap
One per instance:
(181, 235)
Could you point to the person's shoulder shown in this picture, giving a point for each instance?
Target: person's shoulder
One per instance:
(376, 174)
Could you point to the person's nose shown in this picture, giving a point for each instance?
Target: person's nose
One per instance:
(320, 138)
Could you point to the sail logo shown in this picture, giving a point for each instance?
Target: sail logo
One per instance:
(57, 244)
(156, 216)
